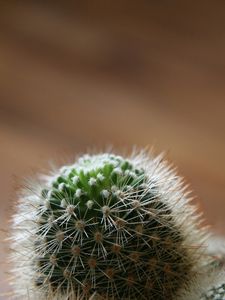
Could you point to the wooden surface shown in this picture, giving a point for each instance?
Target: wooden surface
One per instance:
(90, 74)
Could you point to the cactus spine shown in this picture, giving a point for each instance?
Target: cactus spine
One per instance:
(216, 292)
(107, 227)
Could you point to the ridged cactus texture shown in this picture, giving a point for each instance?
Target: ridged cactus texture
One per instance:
(107, 227)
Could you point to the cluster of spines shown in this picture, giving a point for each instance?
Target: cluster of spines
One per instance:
(103, 228)
(216, 292)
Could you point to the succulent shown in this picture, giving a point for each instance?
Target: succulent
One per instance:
(209, 284)
(216, 292)
(107, 227)
(214, 286)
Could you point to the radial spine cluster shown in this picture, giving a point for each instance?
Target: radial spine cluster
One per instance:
(107, 227)
(215, 293)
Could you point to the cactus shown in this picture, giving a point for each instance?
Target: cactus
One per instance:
(208, 286)
(107, 227)
(216, 292)
(215, 289)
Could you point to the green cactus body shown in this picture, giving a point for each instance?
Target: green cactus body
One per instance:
(108, 227)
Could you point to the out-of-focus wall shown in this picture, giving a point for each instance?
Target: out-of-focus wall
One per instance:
(88, 74)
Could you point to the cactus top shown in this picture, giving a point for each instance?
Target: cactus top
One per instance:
(108, 226)
(91, 185)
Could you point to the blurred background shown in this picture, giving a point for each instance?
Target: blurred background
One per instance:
(86, 74)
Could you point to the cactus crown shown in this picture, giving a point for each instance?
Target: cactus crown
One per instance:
(104, 227)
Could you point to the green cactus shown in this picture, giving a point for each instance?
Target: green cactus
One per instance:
(107, 227)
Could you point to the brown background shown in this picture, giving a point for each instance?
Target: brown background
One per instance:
(94, 73)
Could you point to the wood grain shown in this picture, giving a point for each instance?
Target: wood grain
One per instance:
(89, 74)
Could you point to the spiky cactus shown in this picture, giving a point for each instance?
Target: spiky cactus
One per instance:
(107, 227)
(210, 285)
(216, 292)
